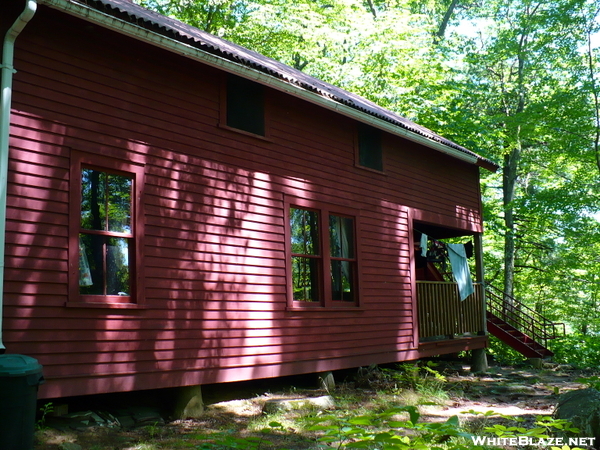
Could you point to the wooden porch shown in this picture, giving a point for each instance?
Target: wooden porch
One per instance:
(442, 315)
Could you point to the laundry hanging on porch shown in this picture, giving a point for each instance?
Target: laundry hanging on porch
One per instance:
(85, 275)
(424, 244)
(460, 269)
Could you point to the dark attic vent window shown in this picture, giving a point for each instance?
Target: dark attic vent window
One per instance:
(245, 105)
(370, 153)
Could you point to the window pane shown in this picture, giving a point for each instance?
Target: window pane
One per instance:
(91, 264)
(342, 281)
(104, 265)
(370, 153)
(105, 197)
(117, 266)
(93, 199)
(304, 231)
(305, 279)
(245, 105)
(341, 237)
(119, 204)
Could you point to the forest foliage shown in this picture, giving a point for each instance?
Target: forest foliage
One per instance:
(517, 81)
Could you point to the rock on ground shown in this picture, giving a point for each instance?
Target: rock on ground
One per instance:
(319, 403)
(582, 409)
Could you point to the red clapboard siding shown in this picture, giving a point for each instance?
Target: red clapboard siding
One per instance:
(215, 270)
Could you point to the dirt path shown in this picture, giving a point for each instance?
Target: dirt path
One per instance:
(524, 393)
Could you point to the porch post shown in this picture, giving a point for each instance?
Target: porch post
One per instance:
(480, 277)
(479, 358)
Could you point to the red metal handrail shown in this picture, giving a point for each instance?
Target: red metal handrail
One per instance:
(522, 317)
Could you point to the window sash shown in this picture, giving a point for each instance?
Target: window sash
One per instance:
(370, 150)
(106, 201)
(318, 277)
(116, 250)
(245, 105)
(342, 258)
(104, 265)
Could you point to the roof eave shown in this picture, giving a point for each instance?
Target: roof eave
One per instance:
(185, 49)
(488, 165)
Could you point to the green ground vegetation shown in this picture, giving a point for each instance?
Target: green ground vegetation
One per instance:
(376, 408)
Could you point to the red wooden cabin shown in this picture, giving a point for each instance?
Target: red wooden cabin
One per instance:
(183, 211)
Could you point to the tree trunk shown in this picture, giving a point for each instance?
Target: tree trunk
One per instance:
(441, 31)
(372, 9)
(510, 171)
(595, 99)
(509, 179)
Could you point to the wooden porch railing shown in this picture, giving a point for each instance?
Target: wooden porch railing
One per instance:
(443, 314)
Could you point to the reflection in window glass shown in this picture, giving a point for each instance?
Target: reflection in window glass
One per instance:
(304, 231)
(105, 201)
(305, 279)
(117, 266)
(104, 265)
(93, 199)
(342, 281)
(341, 245)
(119, 203)
(341, 237)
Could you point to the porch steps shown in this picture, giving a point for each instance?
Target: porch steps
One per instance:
(519, 326)
(516, 339)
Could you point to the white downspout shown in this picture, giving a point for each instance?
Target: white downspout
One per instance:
(5, 108)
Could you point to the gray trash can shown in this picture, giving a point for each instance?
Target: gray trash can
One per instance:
(20, 377)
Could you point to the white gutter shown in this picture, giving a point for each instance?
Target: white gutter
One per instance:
(8, 50)
(172, 45)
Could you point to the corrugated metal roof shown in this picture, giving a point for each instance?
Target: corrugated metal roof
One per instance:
(133, 13)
